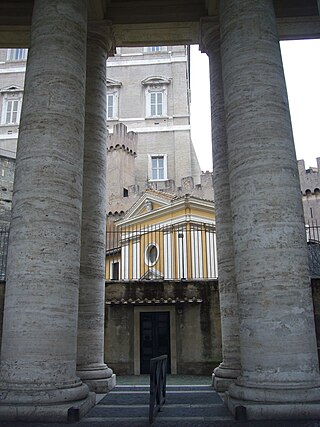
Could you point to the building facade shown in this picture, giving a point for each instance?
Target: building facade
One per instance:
(148, 90)
(161, 270)
(148, 115)
(12, 75)
(163, 236)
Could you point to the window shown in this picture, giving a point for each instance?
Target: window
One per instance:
(156, 96)
(17, 54)
(151, 254)
(11, 108)
(158, 167)
(155, 49)
(156, 103)
(115, 269)
(12, 111)
(111, 106)
(113, 90)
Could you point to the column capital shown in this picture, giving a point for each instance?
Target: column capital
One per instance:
(209, 34)
(101, 32)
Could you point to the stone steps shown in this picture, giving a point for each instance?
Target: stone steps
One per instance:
(185, 406)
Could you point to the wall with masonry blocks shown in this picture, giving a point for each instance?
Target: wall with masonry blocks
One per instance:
(310, 190)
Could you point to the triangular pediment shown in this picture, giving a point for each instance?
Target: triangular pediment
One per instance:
(150, 201)
(155, 80)
(113, 83)
(152, 274)
(11, 88)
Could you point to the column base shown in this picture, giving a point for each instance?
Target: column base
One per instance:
(99, 378)
(223, 377)
(246, 410)
(50, 405)
(279, 402)
(103, 385)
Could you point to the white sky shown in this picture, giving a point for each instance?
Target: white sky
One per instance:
(301, 61)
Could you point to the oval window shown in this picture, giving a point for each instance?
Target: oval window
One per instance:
(152, 254)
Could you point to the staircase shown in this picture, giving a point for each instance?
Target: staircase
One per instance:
(196, 405)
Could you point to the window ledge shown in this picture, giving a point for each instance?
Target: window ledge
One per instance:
(15, 61)
(156, 117)
(9, 125)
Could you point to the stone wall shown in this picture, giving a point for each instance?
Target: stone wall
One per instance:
(167, 134)
(198, 324)
(123, 187)
(196, 313)
(316, 305)
(2, 288)
(7, 167)
(310, 189)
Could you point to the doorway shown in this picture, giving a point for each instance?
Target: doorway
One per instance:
(154, 338)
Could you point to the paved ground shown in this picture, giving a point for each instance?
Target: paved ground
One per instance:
(191, 402)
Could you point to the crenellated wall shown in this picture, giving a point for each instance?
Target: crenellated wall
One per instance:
(310, 190)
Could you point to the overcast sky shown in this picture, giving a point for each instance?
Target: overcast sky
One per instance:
(301, 61)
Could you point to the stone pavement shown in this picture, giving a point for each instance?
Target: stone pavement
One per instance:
(193, 405)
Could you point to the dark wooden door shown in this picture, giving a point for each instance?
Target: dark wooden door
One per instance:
(154, 338)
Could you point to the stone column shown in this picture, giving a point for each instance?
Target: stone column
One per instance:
(229, 369)
(279, 377)
(38, 358)
(91, 367)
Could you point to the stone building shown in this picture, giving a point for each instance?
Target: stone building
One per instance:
(148, 90)
(7, 166)
(124, 166)
(12, 74)
(148, 115)
(161, 271)
(310, 190)
(53, 326)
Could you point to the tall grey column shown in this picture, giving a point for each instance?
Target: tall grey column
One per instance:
(38, 358)
(229, 369)
(91, 367)
(279, 377)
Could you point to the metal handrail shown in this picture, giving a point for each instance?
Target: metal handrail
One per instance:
(158, 379)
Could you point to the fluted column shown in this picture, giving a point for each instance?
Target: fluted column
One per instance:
(279, 377)
(91, 367)
(229, 369)
(38, 358)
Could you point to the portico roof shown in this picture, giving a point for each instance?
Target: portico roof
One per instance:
(149, 22)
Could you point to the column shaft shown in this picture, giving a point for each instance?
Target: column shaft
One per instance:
(277, 337)
(38, 358)
(91, 367)
(229, 369)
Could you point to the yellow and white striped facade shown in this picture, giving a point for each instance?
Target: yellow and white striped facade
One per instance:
(165, 237)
